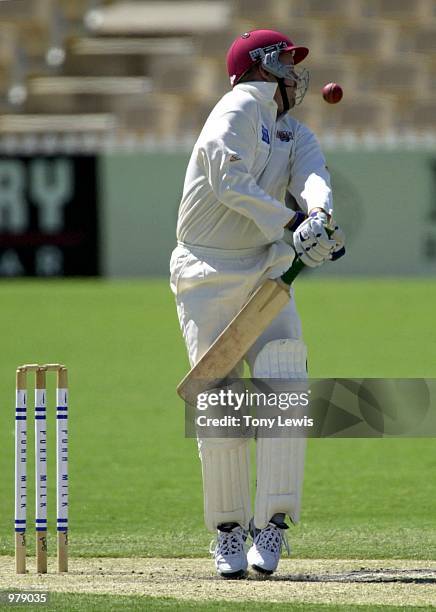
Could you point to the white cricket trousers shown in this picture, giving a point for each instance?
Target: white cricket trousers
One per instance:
(210, 287)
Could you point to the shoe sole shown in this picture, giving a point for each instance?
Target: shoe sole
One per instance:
(234, 575)
(263, 571)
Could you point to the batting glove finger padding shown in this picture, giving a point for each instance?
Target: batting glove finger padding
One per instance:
(311, 241)
(339, 237)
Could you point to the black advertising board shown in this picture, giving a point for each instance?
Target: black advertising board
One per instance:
(48, 216)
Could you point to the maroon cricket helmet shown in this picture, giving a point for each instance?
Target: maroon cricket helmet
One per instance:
(250, 47)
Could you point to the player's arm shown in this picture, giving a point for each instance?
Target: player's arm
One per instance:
(227, 149)
(318, 238)
(310, 179)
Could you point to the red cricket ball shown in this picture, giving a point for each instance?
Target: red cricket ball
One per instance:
(332, 93)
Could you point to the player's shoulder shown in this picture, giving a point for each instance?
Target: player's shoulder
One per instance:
(301, 133)
(295, 126)
(231, 110)
(236, 101)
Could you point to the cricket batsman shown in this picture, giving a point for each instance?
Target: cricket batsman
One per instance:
(250, 157)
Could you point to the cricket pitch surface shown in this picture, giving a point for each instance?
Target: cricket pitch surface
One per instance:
(371, 582)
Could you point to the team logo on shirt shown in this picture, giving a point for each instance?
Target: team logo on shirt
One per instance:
(265, 134)
(285, 135)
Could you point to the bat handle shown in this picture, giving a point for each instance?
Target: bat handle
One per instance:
(290, 275)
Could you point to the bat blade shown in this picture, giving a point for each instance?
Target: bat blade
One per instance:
(235, 340)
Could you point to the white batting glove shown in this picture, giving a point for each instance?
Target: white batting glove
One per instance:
(311, 241)
(339, 237)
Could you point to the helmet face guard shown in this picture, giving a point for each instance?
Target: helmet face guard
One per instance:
(300, 76)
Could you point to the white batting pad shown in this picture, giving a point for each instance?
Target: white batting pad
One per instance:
(226, 481)
(280, 461)
(281, 359)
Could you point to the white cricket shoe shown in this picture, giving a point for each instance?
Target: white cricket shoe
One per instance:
(229, 551)
(264, 554)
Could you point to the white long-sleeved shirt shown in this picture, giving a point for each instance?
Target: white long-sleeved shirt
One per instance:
(240, 168)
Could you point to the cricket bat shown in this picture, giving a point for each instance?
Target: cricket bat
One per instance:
(239, 335)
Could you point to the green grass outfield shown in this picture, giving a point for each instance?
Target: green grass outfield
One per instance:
(135, 480)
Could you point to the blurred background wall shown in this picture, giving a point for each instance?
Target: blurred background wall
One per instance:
(390, 224)
(101, 101)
